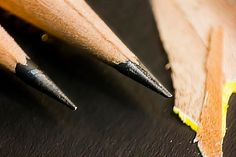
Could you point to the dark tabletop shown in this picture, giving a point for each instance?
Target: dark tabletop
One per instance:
(116, 116)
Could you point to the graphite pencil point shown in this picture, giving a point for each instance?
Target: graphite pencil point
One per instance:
(37, 79)
(140, 74)
(78, 24)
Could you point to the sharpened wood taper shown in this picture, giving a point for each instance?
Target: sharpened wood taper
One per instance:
(76, 23)
(13, 59)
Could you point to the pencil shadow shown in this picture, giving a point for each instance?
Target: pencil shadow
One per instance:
(18, 98)
(87, 80)
(142, 30)
(230, 137)
(116, 116)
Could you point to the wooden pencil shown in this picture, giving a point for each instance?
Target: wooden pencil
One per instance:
(76, 23)
(13, 59)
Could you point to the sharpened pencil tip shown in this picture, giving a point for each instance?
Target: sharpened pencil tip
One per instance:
(37, 79)
(143, 76)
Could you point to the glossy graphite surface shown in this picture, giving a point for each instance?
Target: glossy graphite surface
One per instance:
(31, 75)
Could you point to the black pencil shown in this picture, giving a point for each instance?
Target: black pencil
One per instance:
(13, 59)
(76, 23)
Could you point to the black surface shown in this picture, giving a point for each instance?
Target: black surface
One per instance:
(116, 116)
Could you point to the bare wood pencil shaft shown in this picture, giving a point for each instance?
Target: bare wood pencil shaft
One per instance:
(10, 52)
(13, 59)
(76, 23)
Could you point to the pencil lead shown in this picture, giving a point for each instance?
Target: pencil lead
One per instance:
(143, 76)
(37, 79)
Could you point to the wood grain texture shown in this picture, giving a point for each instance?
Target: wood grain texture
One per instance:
(75, 22)
(10, 52)
(113, 123)
(210, 133)
(219, 13)
(182, 44)
(183, 40)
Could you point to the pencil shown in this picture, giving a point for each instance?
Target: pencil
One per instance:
(14, 60)
(76, 23)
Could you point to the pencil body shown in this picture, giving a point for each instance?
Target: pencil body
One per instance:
(13, 59)
(10, 53)
(76, 23)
